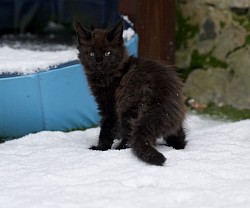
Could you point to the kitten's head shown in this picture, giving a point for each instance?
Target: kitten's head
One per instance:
(100, 50)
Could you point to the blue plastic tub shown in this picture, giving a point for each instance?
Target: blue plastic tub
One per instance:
(56, 100)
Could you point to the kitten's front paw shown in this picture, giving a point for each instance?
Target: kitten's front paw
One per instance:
(99, 148)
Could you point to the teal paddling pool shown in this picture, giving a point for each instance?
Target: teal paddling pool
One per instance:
(57, 100)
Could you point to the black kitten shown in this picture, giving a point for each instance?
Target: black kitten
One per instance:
(138, 99)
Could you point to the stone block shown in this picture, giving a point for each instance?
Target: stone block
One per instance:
(229, 39)
(207, 86)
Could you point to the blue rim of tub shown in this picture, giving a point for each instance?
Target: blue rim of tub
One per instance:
(56, 100)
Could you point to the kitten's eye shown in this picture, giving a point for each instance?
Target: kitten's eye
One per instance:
(107, 53)
(92, 54)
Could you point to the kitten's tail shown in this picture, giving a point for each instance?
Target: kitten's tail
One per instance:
(148, 153)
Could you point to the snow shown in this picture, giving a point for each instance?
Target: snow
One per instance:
(56, 169)
(126, 18)
(26, 61)
(128, 34)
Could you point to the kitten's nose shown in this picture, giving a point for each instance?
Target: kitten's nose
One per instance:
(99, 63)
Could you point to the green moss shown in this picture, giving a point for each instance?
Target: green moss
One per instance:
(222, 25)
(216, 63)
(200, 61)
(226, 112)
(205, 61)
(243, 20)
(247, 24)
(247, 40)
(184, 29)
(197, 60)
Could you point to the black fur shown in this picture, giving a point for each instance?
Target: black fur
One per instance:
(139, 99)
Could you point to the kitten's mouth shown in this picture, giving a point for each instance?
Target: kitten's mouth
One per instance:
(99, 67)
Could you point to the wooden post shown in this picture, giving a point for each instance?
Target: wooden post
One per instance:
(155, 25)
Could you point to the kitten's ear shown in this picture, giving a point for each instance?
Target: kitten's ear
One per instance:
(83, 35)
(115, 33)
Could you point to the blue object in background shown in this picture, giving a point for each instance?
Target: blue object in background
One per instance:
(58, 99)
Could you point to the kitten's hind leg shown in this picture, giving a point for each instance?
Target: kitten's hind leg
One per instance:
(177, 140)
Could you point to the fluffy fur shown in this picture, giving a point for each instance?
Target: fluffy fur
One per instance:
(139, 99)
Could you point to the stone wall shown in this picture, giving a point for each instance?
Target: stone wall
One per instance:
(213, 50)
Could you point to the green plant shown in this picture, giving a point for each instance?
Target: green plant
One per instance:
(226, 112)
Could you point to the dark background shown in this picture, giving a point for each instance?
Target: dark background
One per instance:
(154, 21)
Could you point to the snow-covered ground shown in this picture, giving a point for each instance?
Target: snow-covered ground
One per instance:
(56, 169)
